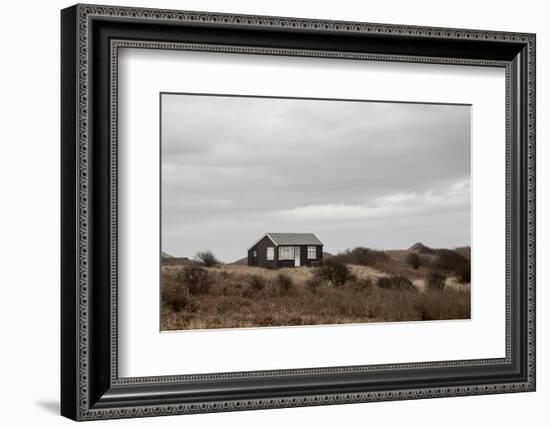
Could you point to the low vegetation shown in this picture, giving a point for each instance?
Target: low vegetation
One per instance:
(361, 256)
(194, 279)
(463, 272)
(334, 273)
(395, 282)
(284, 284)
(435, 280)
(448, 260)
(413, 260)
(207, 258)
(359, 285)
(257, 283)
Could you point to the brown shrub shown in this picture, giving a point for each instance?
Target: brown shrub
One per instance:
(314, 282)
(413, 260)
(267, 320)
(361, 283)
(463, 272)
(195, 279)
(360, 256)
(175, 295)
(435, 280)
(448, 260)
(284, 283)
(464, 251)
(207, 258)
(443, 305)
(257, 282)
(395, 282)
(295, 320)
(249, 292)
(335, 273)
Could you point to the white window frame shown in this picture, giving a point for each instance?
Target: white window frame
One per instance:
(312, 252)
(270, 253)
(286, 253)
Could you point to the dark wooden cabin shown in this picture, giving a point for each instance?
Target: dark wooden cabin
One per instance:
(286, 250)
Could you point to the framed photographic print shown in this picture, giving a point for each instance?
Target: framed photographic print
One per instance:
(263, 212)
(220, 271)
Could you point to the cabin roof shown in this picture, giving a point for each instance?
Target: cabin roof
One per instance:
(290, 239)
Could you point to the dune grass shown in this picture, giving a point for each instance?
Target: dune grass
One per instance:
(231, 296)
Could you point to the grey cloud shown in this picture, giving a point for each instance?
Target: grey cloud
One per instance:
(234, 167)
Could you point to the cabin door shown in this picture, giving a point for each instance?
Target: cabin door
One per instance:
(297, 256)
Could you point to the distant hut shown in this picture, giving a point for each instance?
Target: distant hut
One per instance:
(421, 248)
(285, 250)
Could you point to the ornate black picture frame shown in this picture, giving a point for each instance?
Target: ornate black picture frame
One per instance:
(91, 36)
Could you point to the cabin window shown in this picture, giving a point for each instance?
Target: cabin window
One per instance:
(255, 253)
(270, 253)
(312, 252)
(286, 253)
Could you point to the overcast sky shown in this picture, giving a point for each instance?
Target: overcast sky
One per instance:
(373, 174)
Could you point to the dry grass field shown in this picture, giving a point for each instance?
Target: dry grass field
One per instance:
(357, 286)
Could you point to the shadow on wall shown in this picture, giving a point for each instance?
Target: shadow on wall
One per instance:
(50, 406)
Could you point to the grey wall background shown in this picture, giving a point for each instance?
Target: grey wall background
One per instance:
(382, 175)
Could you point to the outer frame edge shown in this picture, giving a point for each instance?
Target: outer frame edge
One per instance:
(68, 182)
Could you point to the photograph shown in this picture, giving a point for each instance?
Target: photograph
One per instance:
(267, 209)
(280, 211)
